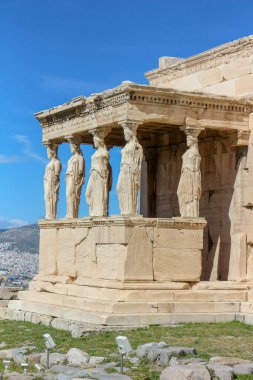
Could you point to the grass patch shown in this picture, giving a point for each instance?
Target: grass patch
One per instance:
(223, 339)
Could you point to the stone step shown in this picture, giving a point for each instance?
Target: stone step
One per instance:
(145, 295)
(247, 307)
(117, 319)
(250, 296)
(93, 305)
(222, 285)
(57, 311)
(246, 318)
(211, 295)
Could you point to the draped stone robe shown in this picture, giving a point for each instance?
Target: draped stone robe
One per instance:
(97, 188)
(129, 178)
(51, 187)
(189, 188)
(74, 182)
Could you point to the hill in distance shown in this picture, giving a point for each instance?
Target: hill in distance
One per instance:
(22, 238)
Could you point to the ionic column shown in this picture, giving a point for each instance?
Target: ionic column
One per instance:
(99, 182)
(128, 185)
(75, 176)
(189, 188)
(52, 181)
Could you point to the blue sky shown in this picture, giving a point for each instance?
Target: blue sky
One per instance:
(54, 50)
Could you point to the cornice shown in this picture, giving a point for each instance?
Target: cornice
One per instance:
(137, 95)
(242, 47)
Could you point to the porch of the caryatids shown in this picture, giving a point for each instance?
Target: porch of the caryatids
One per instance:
(75, 176)
(52, 181)
(99, 184)
(128, 185)
(189, 188)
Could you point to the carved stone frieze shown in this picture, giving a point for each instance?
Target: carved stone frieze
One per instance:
(171, 223)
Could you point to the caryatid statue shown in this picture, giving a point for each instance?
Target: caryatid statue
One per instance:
(98, 185)
(74, 177)
(189, 188)
(128, 185)
(52, 181)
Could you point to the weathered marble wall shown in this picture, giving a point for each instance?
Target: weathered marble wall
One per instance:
(222, 167)
(129, 249)
(232, 78)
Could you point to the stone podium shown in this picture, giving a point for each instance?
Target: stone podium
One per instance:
(187, 148)
(122, 249)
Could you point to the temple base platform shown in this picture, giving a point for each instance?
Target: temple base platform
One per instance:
(63, 305)
(122, 272)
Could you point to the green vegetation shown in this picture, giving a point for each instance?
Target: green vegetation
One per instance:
(223, 339)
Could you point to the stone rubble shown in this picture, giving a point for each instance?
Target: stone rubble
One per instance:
(170, 361)
(218, 368)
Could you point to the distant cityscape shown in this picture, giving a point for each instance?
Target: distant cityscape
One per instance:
(17, 267)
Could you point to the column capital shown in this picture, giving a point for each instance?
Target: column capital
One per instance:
(130, 124)
(51, 144)
(191, 130)
(74, 139)
(101, 132)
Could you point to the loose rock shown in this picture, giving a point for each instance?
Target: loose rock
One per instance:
(243, 369)
(160, 354)
(54, 358)
(142, 350)
(77, 357)
(221, 372)
(94, 360)
(187, 372)
(34, 358)
(18, 376)
(222, 360)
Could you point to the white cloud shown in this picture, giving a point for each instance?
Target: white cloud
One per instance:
(27, 153)
(9, 159)
(27, 148)
(12, 223)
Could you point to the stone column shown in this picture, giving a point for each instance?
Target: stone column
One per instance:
(98, 184)
(52, 181)
(189, 188)
(75, 175)
(128, 185)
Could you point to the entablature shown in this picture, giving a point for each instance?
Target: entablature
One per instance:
(154, 109)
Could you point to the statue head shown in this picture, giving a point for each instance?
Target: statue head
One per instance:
(98, 137)
(190, 141)
(98, 141)
(75, 148)
(129, 133)
(52, 149)
(74, 144)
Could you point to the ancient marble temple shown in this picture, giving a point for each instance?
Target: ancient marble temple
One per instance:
(185, 253)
